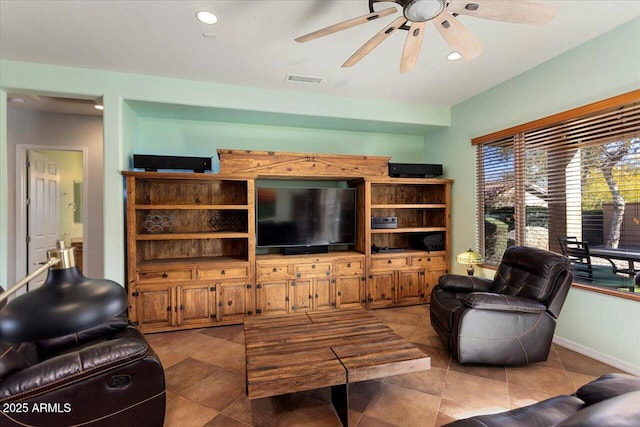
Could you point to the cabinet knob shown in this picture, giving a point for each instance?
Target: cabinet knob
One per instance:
(274, 270)
(313, 266)
(229, 303)
(222, 272)
(388, 261)
(348, 265)
(164, 275)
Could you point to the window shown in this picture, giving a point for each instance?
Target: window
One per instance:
(573, 174)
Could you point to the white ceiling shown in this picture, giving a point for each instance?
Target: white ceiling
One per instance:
(253, 44)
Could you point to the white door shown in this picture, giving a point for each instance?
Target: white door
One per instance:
(42, 218)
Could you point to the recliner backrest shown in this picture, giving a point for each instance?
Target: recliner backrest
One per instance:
(532, 273)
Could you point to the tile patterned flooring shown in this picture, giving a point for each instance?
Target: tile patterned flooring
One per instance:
(204, 371)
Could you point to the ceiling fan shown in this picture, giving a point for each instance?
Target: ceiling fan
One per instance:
(442, 13)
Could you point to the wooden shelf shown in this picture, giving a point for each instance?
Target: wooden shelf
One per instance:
(189, 236)
(410, 206)
(406, 230)
(189, 262)
(193, 207)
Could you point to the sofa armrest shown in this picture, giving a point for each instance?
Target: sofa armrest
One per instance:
(460, 283)
(619, 411)
(70, 367)
(499, 302)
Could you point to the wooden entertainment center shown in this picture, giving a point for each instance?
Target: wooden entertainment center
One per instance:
(191, 246)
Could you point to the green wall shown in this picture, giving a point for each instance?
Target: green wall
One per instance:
(172, 116)
(601, 68)
(200, 138)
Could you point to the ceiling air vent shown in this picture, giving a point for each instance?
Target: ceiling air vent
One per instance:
(295, 78)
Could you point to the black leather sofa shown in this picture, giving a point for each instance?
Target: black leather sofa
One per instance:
(104, 376)
(509, 320)
(613, 400)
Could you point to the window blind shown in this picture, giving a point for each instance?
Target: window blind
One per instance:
(572, 174)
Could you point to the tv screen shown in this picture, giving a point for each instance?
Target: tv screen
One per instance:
(288, 216)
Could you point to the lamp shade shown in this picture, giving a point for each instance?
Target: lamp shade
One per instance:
(469, 257)
(67, 302)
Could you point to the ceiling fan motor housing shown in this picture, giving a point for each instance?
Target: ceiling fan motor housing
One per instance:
(423, 10)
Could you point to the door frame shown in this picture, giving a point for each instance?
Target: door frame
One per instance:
(21, 196)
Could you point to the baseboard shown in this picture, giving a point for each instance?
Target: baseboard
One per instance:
(594, 354)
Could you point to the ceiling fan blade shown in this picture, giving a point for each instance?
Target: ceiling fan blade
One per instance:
(412, 46)
(346, 24)
(514, 11)
(374, 42)
(457, 36)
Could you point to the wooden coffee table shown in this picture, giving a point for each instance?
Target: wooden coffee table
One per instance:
(306, 351)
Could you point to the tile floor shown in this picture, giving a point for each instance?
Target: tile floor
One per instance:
(204, 371)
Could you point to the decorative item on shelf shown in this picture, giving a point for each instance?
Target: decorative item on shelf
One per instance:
(67, 302)
(227, 221)
(159, 223)
(469, 257)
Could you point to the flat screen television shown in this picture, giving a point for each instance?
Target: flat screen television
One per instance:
(304, 217)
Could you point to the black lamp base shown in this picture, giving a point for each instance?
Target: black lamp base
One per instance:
(67, 302)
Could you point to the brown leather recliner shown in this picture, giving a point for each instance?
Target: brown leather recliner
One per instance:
(104, 376)
(509, 320)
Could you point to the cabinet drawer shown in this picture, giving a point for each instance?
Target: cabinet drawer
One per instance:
(217, 273)
(167, 275)
(314, 269)
(350, 267)
(427, 260)
(272, 271)
(386, 263)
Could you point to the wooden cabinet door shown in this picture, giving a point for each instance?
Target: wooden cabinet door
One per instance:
(382, 289)
(300, 295)
(410, 286)
(323, 294)
(154, 306)
(232, 300)
(431, 279)
(272, 297)
(349, 292)
(196, 304)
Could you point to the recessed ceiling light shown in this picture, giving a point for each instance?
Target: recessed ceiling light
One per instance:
(207, 17)
(98, 107)
(454, 56)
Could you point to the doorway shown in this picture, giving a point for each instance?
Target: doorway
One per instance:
(51, 204)
(56, 122)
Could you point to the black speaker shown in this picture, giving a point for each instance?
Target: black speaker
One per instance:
(153, 163)
(414, 170)
(431, 241)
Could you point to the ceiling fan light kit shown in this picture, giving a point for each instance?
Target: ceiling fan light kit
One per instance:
(423, 10)
(443, 14)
